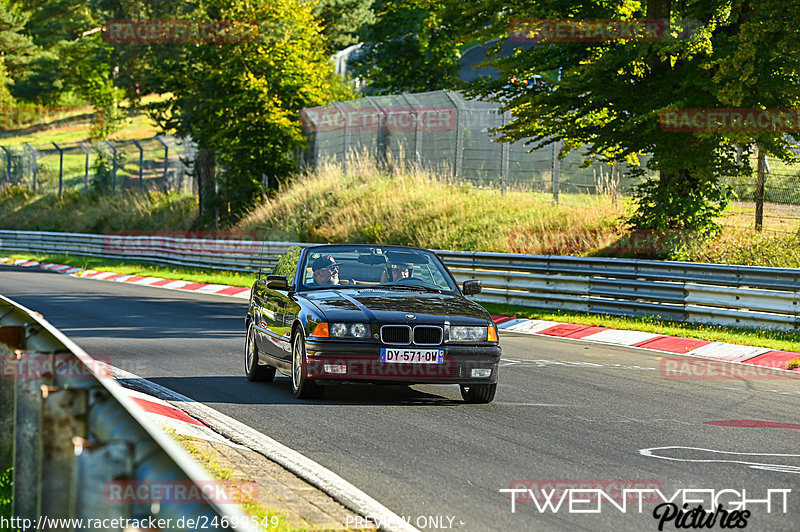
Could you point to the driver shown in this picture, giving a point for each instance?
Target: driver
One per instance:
(400, 271)
(326, 271)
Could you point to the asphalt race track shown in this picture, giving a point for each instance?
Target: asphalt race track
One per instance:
(566, 412)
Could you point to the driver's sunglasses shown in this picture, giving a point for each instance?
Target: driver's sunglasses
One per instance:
(334, 268)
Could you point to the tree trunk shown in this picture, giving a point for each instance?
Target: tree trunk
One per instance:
(205, 172)
(760, 188)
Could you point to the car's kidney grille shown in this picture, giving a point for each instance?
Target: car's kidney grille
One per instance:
(396, 334)
(424, 335)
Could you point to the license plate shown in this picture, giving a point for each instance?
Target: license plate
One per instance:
(412, 356)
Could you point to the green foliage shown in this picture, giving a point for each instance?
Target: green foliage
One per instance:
(341, 21)
(608, 97)
(6, 492)
(410, 47)
(103, 169)
(242, 100)
(16, 48)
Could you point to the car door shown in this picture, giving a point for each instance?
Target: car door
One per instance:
(279, 309)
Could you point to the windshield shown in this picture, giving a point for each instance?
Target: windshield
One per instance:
(370, 266)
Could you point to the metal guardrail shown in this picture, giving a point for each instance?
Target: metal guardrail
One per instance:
(682, 291)
(76, 433)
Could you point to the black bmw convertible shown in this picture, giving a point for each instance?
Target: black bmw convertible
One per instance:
(332, 314)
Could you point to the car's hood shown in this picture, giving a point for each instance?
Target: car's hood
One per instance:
(386, 306)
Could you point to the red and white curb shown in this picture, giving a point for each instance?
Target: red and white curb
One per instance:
(759, 356)
(170, 284)
(173, 419)
(153, 398)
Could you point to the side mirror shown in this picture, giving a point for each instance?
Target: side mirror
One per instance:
(472, 287)
(277, 282)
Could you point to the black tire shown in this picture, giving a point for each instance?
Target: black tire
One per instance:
(253, 370)
(478, 393)
(302, 387)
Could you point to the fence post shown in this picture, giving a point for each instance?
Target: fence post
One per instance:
(60, 169)
(556, 170)
(35, 155)
(505, 155)
(85, 167)
(141, 163)
(380, 147)
(347, 139)
(414, 106)
(760, 178)
(113, 167)
(458, 168)
(166, 160)
(8, 164)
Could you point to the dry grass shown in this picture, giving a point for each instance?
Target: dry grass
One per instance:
(412, 207)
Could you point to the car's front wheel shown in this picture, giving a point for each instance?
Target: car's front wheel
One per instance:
(252, 369)
(478, 393)
(302, 386)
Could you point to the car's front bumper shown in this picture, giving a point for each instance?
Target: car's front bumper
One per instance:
(363, 364)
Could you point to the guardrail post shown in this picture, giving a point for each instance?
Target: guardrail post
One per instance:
(27, 440)
(35, 155)
(86, 167)
(63, 418)
(11, 338)
(60, 169)
(113, 167)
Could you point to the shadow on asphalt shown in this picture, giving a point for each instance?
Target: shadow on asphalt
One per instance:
(238, 390)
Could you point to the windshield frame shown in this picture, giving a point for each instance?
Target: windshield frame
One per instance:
(433, 262)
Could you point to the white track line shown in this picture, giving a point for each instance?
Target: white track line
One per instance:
(307, 469)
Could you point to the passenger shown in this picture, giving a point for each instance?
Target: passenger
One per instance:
(400, 271)
(326, 271)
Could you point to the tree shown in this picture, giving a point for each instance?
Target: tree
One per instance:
(241, 101)
(410, 47)
(341, 21)
(17, 49)
(610, 95)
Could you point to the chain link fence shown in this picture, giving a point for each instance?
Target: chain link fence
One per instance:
(451, 136)
(160, 163)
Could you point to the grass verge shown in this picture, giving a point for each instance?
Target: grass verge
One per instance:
(6, 493)
(778, 340)
(267, 519)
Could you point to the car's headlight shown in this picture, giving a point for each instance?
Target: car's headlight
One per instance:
(460, 333)
(359, 330)
(356, 330)
(338, 329)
